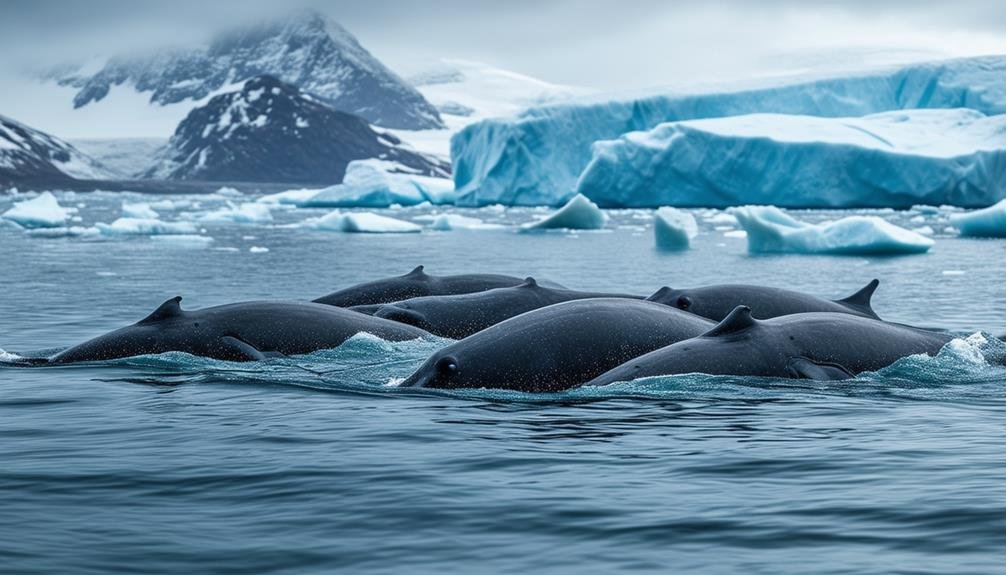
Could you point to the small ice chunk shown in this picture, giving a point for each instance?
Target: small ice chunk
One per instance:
(985, 223)
(246, 213)
(579, 213)
(363, 222)
(138, 210)
(772, 230)
(674, 229)
(258, 249)
(149, 227)
(228, 191)
(924, 230)
(447, 222)
(740, 234)
(183, 239)
(42, 211)
(289, 197)
(62, 232)
(953, 272)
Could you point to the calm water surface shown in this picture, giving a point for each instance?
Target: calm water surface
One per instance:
(314, 464)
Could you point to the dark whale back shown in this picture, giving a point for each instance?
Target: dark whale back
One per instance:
(557, 347)
(717, 301)
(236, 332)
(822, 346)
(459, 316)
(416, 283)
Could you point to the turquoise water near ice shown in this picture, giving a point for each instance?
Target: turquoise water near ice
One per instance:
(314, 464)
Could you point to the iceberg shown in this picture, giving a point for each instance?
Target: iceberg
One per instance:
(894, 159)
(42, 211)
(363, 222)
(536, 157)
(139, 210)
(448, 222)
(289, 197)
(145, 226)
(368, 185)
(246, 213)
(674, 229)
(986, 223)
(770, 230)
(579, 213)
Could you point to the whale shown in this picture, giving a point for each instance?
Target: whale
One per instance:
(557, 347)
(818, 346)
(417, 283)
(459, 316)
(717, 301)
(246, 331)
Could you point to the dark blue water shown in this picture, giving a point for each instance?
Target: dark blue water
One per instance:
(175, 464)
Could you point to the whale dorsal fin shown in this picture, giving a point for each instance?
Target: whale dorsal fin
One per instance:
(529, 282)
(660, 295)
(860, 301)
(416, 273)
(737, 321)
(168, 309)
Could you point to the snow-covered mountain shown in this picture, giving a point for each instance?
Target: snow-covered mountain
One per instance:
(31, 156)
(270, 131)
(308, 50)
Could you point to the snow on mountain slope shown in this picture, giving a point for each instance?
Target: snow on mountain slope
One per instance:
(465, 92)
(893, 159)
(127, 156)
(147, 94)
(29, 155)
(269, 131)
(537, 156)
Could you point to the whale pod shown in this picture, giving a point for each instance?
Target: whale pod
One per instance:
(820, 346)
(416, 283)
(459, 316)
(244, 331)
(557, 347)
(717, 301)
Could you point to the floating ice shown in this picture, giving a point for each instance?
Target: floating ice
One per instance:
(989, 222)
(62, 232)
(363, 222)
(42, 211)
(368, 185)
(674, 229)
(289, 197)
(187, 240)
(258, 249)
(579, 213)
(246, 213)
(447, 222)
(769, 229)
(895, 159)
(139, 210)
(149, 227)
(537, 156)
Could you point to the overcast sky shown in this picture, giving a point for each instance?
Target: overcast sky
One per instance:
(602, 44)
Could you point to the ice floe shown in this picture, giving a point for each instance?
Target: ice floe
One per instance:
(139, 210)
(363, 222)
(579, 213)
(42, 211)
(674, 229)
(246, 213)
(769, 229)
(144, 226)
(989, 222)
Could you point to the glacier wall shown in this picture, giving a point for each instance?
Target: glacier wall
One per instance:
(893, 159)
(536, 157)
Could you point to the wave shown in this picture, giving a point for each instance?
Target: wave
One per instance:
(366, 364)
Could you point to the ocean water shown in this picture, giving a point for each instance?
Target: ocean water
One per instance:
(315, 464)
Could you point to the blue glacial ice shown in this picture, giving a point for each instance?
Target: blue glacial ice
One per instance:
(674, 229)
(770, 230)
(145, 227)
(893, 159)
(245, 213)
(362, 222)
(139, 210)
(536, 157)
(449, 222)
(42, 211)
(987, 223)
(367, 184)
(579, 213)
